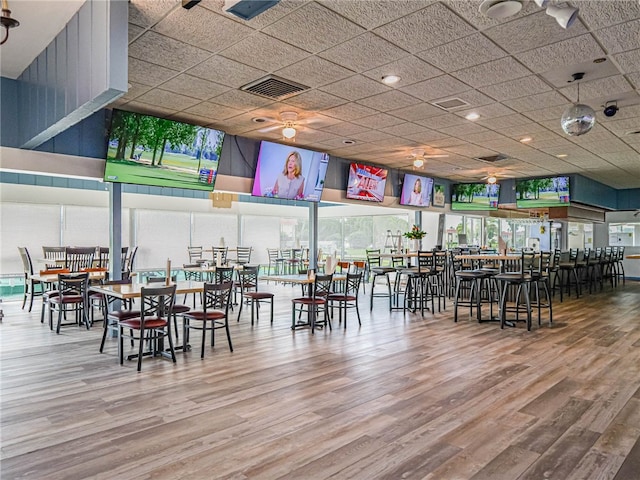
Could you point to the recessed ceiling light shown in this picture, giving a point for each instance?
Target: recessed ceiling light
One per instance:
(561, 155)
(348, 142)
(600, 60)
(500, 8)
(390, 79)
(472, 116)
(526, 139)
(259, 119)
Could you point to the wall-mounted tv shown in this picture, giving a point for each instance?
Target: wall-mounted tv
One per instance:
(366, 182)
(416, 190)
(542, 192)
(475, 196)
(289, 172)
(147, 150)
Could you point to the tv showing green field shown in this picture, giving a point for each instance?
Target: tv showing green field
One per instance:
(542, 192)
(475, 196)
(147, 150)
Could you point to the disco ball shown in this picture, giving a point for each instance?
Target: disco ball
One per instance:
(578, 119)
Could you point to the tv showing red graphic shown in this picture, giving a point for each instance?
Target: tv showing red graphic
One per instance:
(366, 182)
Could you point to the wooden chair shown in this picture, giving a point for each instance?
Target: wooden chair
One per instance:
(77, 259)
(348, 298)
(214, 315)
(248, 281)
(54, 256)
(314, 303)
(29, 283)
(153, 324)
(72, 297)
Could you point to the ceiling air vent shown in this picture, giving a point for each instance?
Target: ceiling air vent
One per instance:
(492, 158)
(451, 104)
(274, 87)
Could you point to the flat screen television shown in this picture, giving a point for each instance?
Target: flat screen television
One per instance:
(542, 192)
(475, 196)
(366, 182)
(289, 172)
(416, 190)
(147, 150)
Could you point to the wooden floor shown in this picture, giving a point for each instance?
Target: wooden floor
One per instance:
(398, 398)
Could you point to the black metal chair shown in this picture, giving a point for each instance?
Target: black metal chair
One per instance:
(214, 315)
(72, 297)
(248, 281)
(313, 304)
(153, 324)
(347, 298)
(522, 280)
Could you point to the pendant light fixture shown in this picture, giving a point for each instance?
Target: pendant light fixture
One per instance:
(578, 119)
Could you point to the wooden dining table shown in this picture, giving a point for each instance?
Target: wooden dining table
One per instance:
(134, 290)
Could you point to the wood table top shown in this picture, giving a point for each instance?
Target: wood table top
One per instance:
(134, 290)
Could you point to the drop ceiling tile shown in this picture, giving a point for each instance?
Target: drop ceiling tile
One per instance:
(471, 151)
(548, 113)
(520, 87)
(364, 52)
(146, 73)
(345, 129)
(134, 32)
(404, 129)
(349, 112)
(538, 101)
(241, 100)
(568, 52)
(313, 28)
(306, 72)
(194, 87)
(473, 97)
(598, 14)
(623, 126)
(518, 131)
(532, 31)
(193, 119)
(390, 100)
(373, 13)
(378, 120)
(470, 11)
(135, 90)
(213, 111)
(314, 100)
(370, 136)
(461, 131)
(621, 37)
(166, 99)
(355, 88)
(506, 121)
(410, 69)
(425, 137)
(416, 112)
(203, 28)
(609, 87)
(394, 142)
(148, 109)
(630, 156)
(436, 88)
(635, 80)
(147, 13)
(442, 121)
(440, 22)
(629, 61)
(490, 73)
(264, 52)
(266, 18)
(487, 111)
(482, 137)
(462, 53)
(446, 142)
(226, 72)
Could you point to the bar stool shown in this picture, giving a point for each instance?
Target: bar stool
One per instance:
(419, 289)
(469, 280)
(541, 276)
(378, 271)
(522, 280)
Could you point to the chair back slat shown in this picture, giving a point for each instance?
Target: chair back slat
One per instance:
(79, 258)
(157, 302)
(217, 296)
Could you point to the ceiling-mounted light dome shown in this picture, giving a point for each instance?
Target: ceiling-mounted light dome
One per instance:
(289, 132)
(578, 119)
(500, 8)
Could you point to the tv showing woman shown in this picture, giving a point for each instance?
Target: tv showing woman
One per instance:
(289, 173)
(290, 182)
(416, 191)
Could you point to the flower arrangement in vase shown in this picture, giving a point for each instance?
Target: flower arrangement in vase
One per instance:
(415, 235)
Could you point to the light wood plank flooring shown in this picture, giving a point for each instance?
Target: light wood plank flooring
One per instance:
(400, 397)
